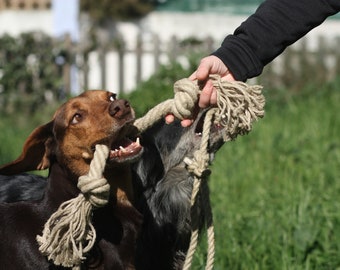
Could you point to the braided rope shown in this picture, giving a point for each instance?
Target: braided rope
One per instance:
(197, 167)
(238, 106)
(69, 234)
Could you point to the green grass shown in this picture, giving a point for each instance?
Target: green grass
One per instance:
(275, 192)
(14, 130)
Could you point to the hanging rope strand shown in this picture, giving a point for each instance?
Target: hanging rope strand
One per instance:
(69, 234)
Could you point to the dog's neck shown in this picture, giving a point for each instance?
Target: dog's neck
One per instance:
(61, 186)
(120, 181)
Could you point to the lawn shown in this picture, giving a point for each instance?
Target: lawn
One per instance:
(275, 192)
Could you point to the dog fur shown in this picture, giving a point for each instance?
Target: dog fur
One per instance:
(65, 146)
(162, 189)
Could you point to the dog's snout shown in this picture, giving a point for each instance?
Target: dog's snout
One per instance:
(120, 108)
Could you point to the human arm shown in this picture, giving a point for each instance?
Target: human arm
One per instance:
(275, 25)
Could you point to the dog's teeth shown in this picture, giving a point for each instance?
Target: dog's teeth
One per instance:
(122, 148)
(137, 141)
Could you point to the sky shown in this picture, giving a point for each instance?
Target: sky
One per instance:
(65, 18)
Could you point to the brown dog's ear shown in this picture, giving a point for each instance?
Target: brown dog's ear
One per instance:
(35, 153)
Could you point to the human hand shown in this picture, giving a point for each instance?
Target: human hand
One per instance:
(208, 65)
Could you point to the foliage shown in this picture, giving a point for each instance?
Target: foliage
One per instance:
(158, 88)
(104, 10)
(28, 72)
(15, 128)
(275, 192)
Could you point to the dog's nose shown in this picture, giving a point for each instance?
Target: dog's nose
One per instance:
(120, 108)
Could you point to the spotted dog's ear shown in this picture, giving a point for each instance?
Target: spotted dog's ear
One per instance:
(35, 153)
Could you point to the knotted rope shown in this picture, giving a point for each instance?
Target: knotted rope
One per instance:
(238, 106)
(69, 233)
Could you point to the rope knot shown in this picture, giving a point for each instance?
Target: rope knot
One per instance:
(69, 234)
(95, 190)
(198, 167)
(185, 98)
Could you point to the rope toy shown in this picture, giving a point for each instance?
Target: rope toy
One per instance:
(69, 233)
(238, 106)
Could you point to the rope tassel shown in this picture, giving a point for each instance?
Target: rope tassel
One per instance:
(69, 234)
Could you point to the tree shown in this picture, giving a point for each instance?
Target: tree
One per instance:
(105, 11)
(28, 71)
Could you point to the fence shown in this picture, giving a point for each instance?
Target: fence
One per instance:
(120, 67)
(299, 65)
(47, 69)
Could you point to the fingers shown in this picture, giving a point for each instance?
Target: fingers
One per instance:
(185, 122)
(208, 65)
(207, 95)
(229, 77)
(169, 118)
(203, 70)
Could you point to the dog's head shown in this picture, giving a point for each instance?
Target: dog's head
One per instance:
(166, 146)
(94, 117)
(176, 142)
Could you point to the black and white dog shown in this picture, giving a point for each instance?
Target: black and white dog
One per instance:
(163, 189)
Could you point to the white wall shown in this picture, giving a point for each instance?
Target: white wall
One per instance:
(14, 22)
(183, 25)
(164, 24)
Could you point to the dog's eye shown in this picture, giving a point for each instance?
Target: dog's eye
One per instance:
(76, 118)
(113, 97)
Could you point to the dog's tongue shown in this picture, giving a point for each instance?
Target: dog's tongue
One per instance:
(125, 150)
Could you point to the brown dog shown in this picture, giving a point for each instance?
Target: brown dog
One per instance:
(65, 146)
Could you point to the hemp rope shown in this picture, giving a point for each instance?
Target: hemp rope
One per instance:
(69, 233)
(238, 106)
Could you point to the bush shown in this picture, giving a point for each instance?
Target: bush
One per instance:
(158, 88)
(29, 73)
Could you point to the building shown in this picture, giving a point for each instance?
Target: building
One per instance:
(25, 4)
(53, 17)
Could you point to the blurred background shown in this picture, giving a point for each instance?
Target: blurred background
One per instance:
(275, 193)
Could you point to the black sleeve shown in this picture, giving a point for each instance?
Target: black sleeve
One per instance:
(264, 35)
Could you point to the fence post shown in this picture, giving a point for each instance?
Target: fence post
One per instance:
(139, 52)
(173, 49)
(67, 65)
(120, 46)
(320, 65)
(102, 62)
(157, 51)
(337, 56)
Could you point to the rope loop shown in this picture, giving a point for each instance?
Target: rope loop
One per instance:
(69, 234)
(96, 190)
(185, 98)
(198, 165)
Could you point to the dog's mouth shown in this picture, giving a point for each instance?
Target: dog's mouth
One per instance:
(214, 128)
(124, 145)
(215, 132)
(125, 150)
(127, 147)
